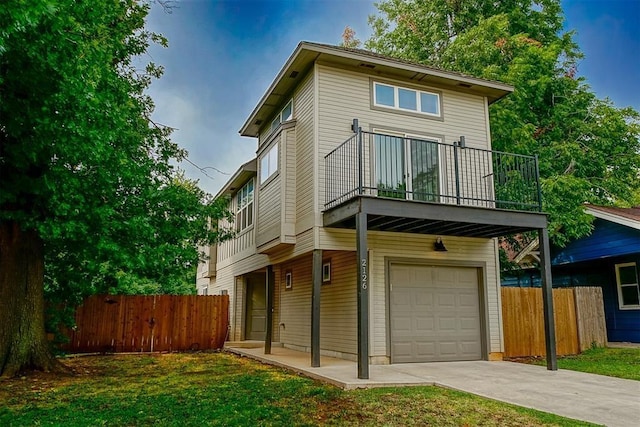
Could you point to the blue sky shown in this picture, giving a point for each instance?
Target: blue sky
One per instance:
(223, 55)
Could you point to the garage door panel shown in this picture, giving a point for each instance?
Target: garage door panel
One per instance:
(434, 314)
(402, 325)
(423, 325)
(425, 349)
(422, 299)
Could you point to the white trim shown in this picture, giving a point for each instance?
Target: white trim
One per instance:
(622, 306)
(608, 216)
(396, 99)
(326, 268)
(288, 280)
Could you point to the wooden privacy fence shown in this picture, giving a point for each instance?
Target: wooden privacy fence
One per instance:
(578, 314)
(135, 323)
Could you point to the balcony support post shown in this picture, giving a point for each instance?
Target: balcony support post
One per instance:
(547, 299)
(363, 295)
(316, 267)
(270, 290)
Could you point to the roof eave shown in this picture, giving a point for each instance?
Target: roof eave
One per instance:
(612, 217)
(239, 177)
(251, 128)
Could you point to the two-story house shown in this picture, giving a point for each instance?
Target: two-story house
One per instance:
(366, 225)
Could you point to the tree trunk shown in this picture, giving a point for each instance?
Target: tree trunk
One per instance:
(23, 343)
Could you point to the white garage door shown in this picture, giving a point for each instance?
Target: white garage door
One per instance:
(434, 313)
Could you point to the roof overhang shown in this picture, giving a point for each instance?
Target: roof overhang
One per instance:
(306, 54)
(241, 176)
(612, 217)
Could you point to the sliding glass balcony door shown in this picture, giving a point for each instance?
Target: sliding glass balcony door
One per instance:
(406, 167)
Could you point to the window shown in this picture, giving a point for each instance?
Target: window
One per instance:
(326, 272)
(244, 207)
(405, 99)
(283, 116)
(628, 287)
(288, 280)
(269, 163)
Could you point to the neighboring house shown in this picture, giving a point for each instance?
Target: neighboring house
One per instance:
(610, 258)
(366, 226)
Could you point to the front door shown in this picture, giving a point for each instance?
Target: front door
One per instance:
(256, 321)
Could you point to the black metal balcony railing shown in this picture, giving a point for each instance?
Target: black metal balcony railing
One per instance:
(398, 167)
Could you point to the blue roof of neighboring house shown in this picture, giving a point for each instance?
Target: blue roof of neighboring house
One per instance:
(608, 239)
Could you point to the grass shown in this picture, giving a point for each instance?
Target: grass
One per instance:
(613, 362)
(223, 389)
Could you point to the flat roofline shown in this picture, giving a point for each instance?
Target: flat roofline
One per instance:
(307, 53)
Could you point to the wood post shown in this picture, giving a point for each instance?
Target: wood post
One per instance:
(315, 307)
(268, 337)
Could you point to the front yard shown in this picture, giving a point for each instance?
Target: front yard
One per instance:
(613, 362)
(223, 389)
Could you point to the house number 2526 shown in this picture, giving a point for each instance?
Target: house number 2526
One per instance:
(363, 272)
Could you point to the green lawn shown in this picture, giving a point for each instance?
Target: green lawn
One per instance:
(613, 362)
(223, 389)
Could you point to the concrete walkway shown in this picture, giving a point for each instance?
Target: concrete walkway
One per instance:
(594, 398)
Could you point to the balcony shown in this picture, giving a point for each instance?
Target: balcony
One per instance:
(416, 185)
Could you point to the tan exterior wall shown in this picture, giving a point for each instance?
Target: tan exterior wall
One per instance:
(268, 209)
(344, 95)
(338, 326)
(385, 245)
(304, 113)
(296, 198)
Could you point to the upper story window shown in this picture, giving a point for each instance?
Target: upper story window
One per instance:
(283, 116)
(244, 207)
(628, 286)
(269, 163)
(405, 99)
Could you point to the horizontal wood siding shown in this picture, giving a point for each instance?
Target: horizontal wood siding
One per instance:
(238, 247)
(338, 305)
(338, 312)
(344, 95)
(304, 108)
(289, 184)
(268, 211)
(295, 303)
(598, 244)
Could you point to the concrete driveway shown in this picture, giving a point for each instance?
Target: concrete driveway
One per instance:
(594, 398)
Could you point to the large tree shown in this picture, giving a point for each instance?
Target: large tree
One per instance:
(588, 149)
(87, 190)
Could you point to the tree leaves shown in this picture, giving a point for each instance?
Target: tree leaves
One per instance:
(587, 148)
(81, 160)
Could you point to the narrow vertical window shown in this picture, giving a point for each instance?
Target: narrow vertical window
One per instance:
(244, 207)
(269, 163)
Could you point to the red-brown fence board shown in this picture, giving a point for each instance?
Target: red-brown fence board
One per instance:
(150, 323)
